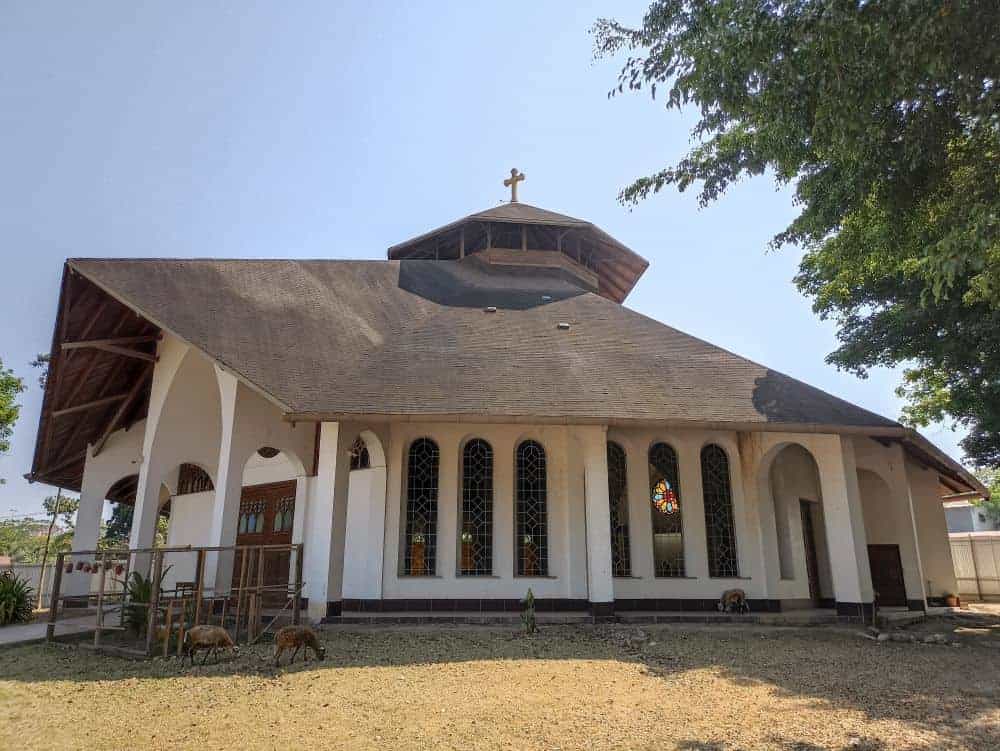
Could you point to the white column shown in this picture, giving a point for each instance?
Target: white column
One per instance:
(228, 486)
(600, 585)
(298, 521)
(909, 543)
(88, 525)
(845, 526)
(324, 539)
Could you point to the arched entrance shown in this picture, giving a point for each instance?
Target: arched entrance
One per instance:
(800, 557)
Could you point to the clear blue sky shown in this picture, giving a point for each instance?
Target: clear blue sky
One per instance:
(333, 130)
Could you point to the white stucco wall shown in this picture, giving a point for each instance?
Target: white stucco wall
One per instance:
(932, 531)
(190, 524)
(259, 471)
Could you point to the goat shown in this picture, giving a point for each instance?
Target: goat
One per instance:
(734, 601)
(208, 638)
(298, 637)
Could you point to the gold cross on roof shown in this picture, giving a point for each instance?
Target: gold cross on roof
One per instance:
(512, 181)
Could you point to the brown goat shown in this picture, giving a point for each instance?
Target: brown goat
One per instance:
(297, 637)
(208, 638)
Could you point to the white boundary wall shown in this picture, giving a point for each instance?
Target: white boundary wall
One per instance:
(977, 564)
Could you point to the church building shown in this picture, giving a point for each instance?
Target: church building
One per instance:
(477, 415)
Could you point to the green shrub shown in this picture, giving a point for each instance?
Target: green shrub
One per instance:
(138, 592)
(15, 599)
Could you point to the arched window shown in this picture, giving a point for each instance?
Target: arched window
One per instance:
(193, 479)
(476, 523)
(665, 506)
(621, 560)
(531, 511)
(359, 454)
(720, 527)
(420, 541)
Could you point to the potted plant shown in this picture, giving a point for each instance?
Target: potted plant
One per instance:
(418, 555)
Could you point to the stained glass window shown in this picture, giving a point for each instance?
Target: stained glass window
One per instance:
(531, 511)
(665, 506)
(621, 561)
(720, 527)
(359, 454)
(420, 542)
(476, 523)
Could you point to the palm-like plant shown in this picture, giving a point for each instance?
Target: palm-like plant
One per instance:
(138, 593)
(15, 599)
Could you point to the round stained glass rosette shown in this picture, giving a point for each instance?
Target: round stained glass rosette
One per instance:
(664, 498)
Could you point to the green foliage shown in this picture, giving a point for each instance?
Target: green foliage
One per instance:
(10, 387)
(41, 361)
(886, 118)
(528, 613)
(991, 506)
(119, 526)
(15, 599)
(138, 594)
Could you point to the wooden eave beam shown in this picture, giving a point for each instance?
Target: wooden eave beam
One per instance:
(89, 405)
(134, 392)
(113, 349)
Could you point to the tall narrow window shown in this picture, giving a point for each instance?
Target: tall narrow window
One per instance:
(420, 542)
(359, 454)
(476, 528)
(665, 506)
(531, 511)
(621, 560)
(720, 527)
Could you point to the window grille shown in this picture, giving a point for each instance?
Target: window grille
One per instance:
(420, 543)
(193, 479)
(359, 454)
(665, 506)
(476, 527)
(618, 500)
(531, 512)
(720, 528)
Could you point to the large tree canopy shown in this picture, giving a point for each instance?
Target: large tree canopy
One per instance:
(886, 118)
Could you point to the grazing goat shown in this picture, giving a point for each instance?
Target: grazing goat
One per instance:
(298, 637)
(208, 638)
(734, 601)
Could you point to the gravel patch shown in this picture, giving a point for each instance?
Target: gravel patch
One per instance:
(691, 688)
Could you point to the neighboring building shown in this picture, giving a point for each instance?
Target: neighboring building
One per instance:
(477, 415)
(965, 515)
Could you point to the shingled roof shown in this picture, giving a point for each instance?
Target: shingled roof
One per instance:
(337, 338)
(410, 339)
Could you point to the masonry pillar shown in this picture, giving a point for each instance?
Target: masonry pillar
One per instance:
(228, 487)
(87, 529)
(600, 585)
(845, 528)
(909, 543)
(325, 532)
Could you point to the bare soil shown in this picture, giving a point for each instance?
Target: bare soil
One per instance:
(696, 688)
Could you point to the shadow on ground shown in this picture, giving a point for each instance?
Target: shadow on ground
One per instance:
(952, 691)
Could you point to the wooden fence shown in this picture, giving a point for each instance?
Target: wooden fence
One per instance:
(154, 615)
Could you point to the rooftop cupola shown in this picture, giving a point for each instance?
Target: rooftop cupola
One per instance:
(519, 234)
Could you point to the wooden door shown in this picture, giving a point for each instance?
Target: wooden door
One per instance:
(887, 574)
(809, 539)
(266, 516)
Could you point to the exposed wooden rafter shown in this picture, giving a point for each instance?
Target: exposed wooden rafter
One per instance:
(89, 405)
(133, 394)
(109, 345)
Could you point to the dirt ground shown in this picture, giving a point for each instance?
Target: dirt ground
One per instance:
(694, 688)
